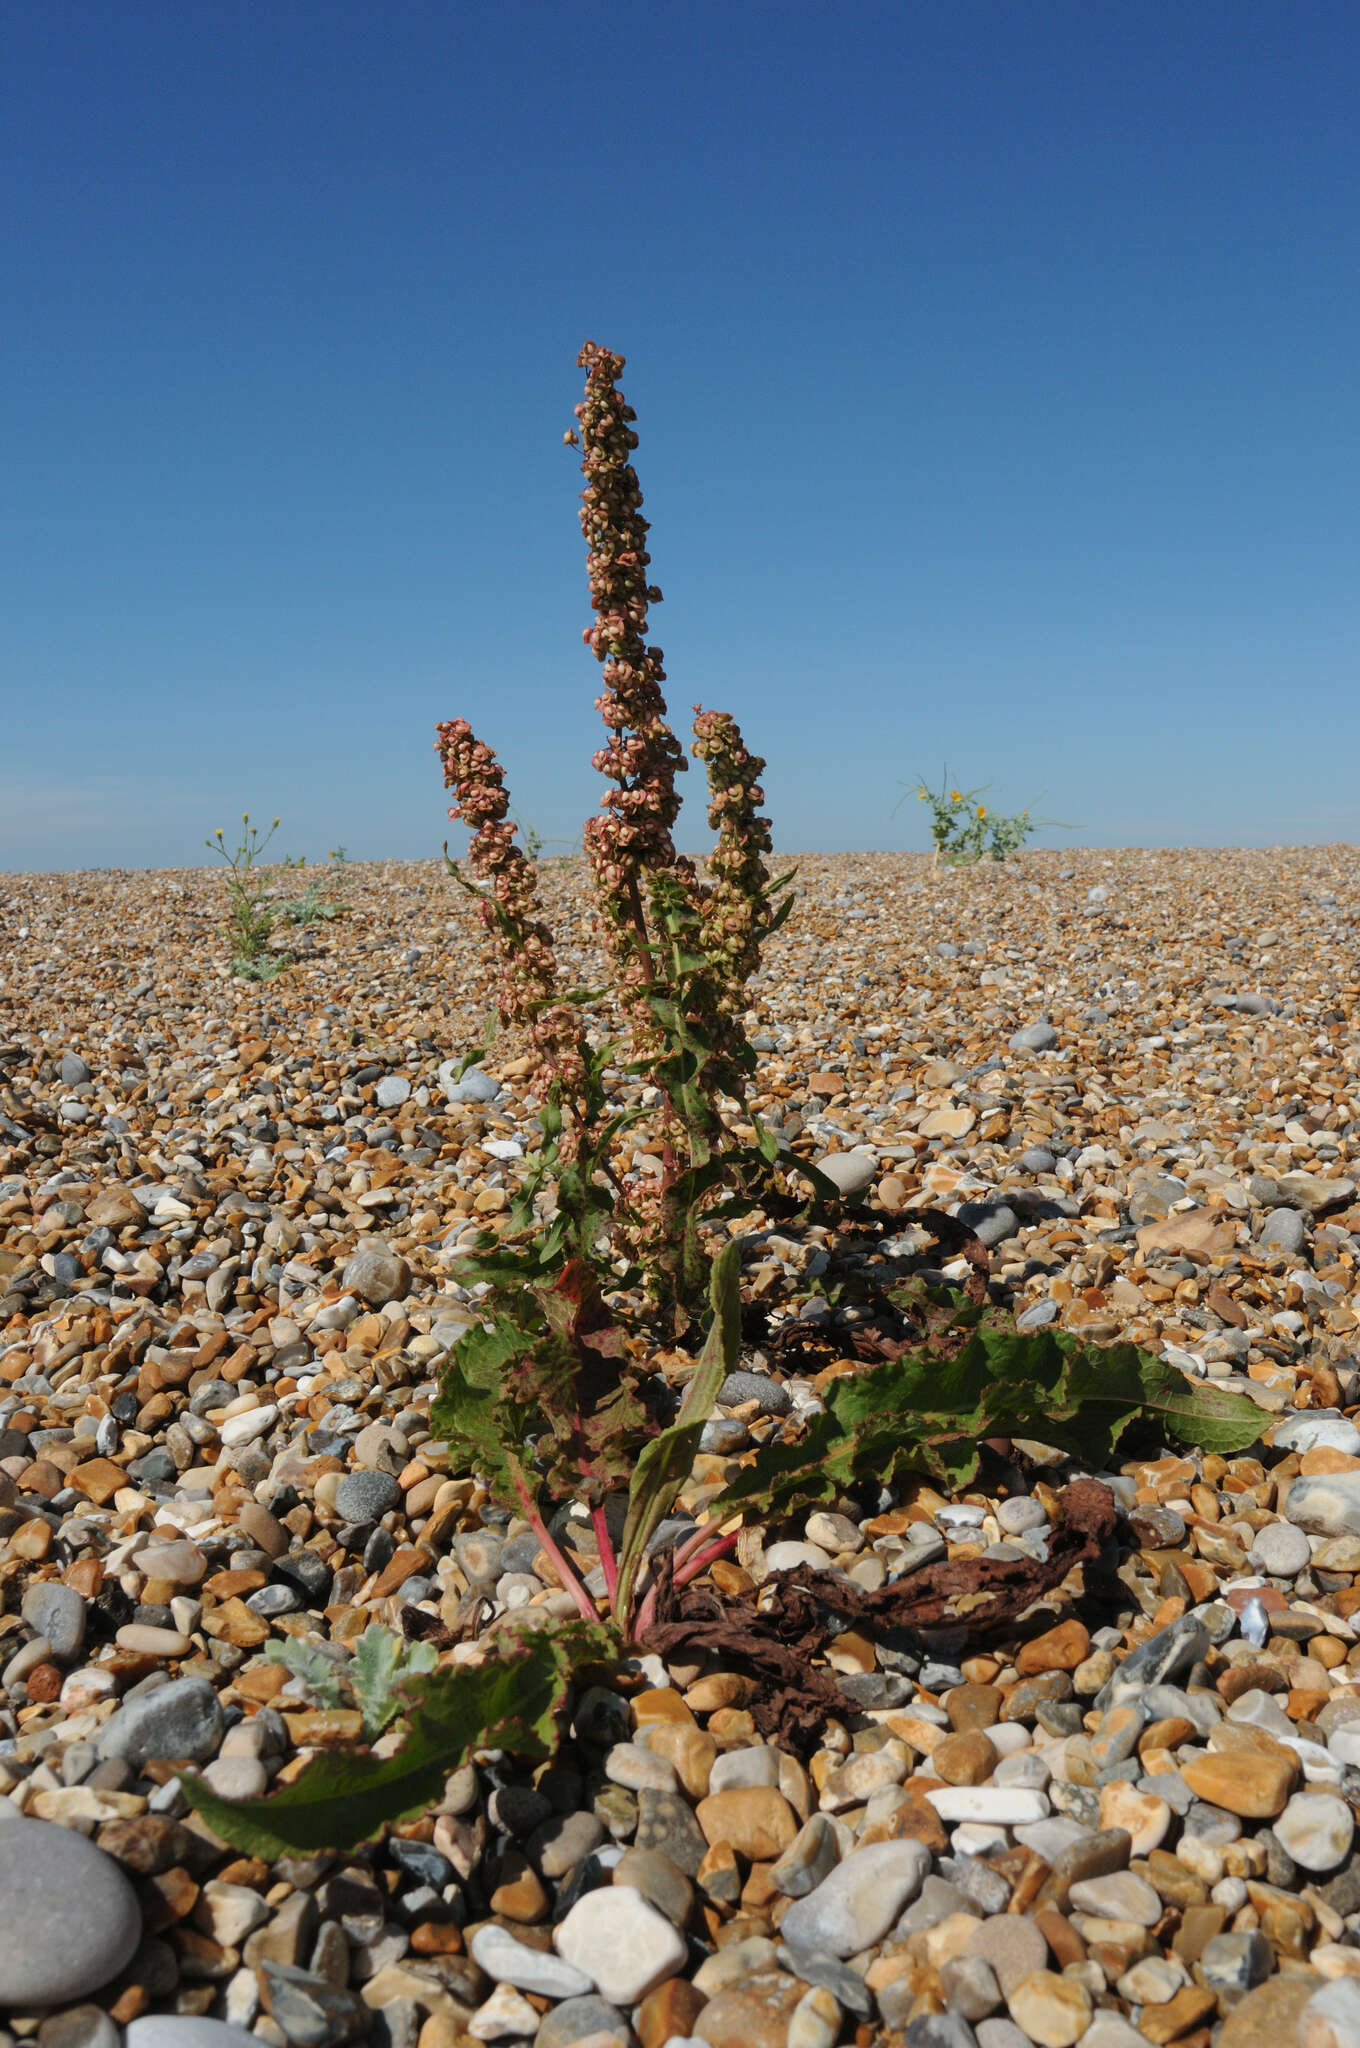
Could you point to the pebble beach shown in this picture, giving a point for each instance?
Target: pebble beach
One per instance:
(231, 1216)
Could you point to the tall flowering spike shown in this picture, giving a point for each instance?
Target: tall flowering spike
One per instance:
(631, 834)
(735, 912)
(527, 986)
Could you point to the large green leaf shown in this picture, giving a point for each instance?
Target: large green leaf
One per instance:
(929, 1411)
(342, 1798)
(470, 1411)
(666, 1462)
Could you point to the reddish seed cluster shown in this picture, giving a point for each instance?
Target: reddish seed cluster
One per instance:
(527, 986)
(655, 912)
(735, 908)
(632, 832)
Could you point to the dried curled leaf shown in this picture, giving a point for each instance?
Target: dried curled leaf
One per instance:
(776, 1637)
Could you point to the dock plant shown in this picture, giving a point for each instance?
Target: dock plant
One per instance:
(581, 1387)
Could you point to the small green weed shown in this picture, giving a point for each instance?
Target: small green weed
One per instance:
(251, 916)
(312, 907)
(964, 831)
(373, 1680)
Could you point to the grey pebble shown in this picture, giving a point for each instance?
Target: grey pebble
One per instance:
(851, 1172)
(990, 1222)
(740, 1387)
(1283, 1230)
(182, 1719)
(475, 1085)
(51, 1881)
(57, 1612)
(365, 1496)
(1037, 1037)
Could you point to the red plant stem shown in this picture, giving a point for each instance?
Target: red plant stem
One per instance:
(694, 1565)
(608, 1562)
(687, 1565)
(684, 1551)
(588, 1610)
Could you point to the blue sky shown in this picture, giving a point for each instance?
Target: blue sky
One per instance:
(995, 370)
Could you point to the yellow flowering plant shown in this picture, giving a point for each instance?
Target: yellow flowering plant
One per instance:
(964, 831)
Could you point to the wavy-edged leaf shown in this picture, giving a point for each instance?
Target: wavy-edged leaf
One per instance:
(470, 1411)
(341, 1799)
(929, 1411)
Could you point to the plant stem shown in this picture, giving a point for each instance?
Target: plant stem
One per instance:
(609, 1564)
(553, 1550)
(700, 1561)
(686, 1566)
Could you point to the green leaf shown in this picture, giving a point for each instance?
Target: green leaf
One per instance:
(382, 1663)
(666, 1462)
(929, 1411)
(470, 1413)
(311, 1666)
(341, 1799)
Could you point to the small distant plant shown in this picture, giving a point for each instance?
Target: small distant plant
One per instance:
(312, 907)
(251, 915)
(964, 831)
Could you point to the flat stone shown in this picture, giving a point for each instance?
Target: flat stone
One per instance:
(1256, 1787)
(183, 2030)
(856, 1904)
(510, 1962)
(1317, 1830)
(1120, 1896)
(182, 1720)
(1004, 1806)
(52, 1882)
(1053, 2011)
(619, 1939)
(1325, 1503)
